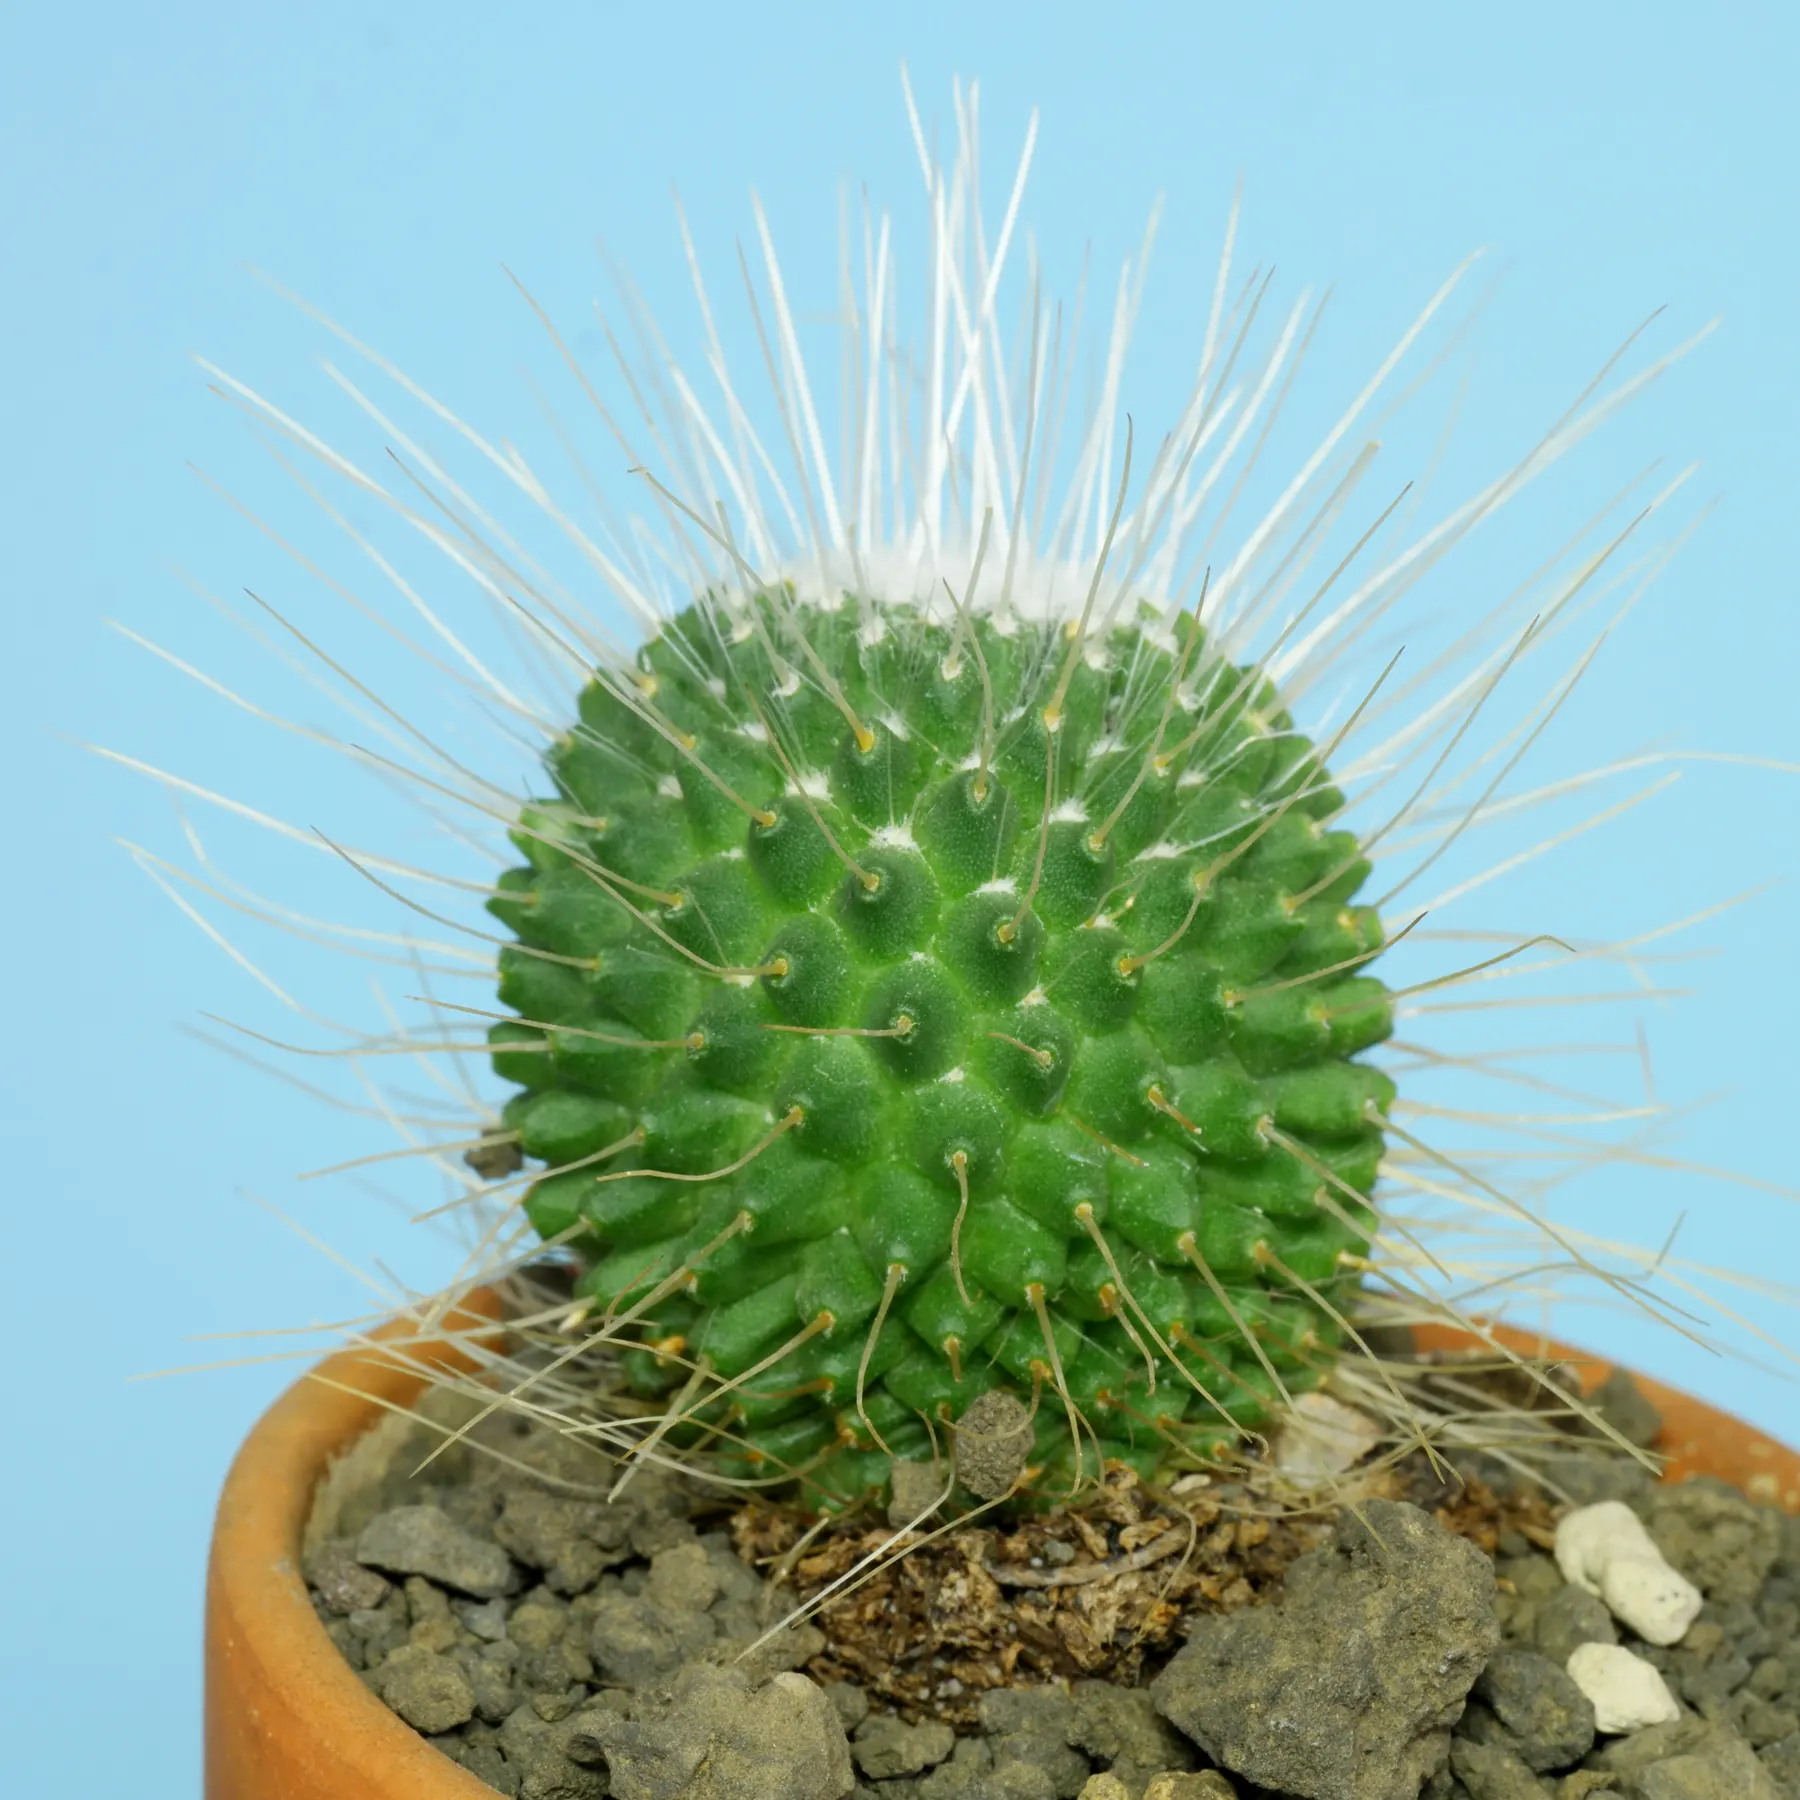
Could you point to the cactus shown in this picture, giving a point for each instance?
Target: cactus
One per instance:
(912, 1005)
(935, 973)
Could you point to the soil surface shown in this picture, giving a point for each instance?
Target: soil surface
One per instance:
(564, 1643)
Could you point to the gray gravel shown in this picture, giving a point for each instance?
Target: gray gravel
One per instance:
(560, 1647)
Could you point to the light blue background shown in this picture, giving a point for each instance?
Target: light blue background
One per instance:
(384, 160)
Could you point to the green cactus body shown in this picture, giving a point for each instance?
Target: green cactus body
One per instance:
(909, 1007)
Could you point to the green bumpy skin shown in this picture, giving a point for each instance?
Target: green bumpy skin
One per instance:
(980, 1087)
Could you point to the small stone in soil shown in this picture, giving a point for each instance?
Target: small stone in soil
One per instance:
(1765, 1723)
(1622, 1404)
(710, 1735)
(485, 1619)
(1582, 1784)
(339, 1580)
(490, 1675)
(851, 1702)
(1204, 1784)
(434, 1626)
(1345, 1688)
(682, 1579)
(1782, 1760)
(634, 1641)
(427, 1690)
(1588, 1477)
(1121, 1726)
(993, 1444)
(380, 1629)
(1035, 1727)
(885, 1747)
(1494, 1772)
(1015, 1779)
(571, 1541)
(485, 1763)
(1550, 1719)
(969, 1766)
(422, 1540)
(1569, 1619)
(539, 1750)
(1105, 1786)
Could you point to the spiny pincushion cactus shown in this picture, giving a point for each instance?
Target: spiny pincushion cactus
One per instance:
(912, 1006)
(936, 976)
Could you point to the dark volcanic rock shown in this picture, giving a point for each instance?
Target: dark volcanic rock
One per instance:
(1347, 1686)
(1550, 1719)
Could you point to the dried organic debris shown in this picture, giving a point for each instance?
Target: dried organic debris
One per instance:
(1099, 1590)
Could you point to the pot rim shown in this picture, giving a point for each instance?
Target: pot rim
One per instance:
(287, 1718)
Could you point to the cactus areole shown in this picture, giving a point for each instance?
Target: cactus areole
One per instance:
(915, 1000)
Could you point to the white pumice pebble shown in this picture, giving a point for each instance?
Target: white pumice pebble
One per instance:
(1322, 1439)
(1605, 1550)
(1627, 1693)
(1588, 1538)
(1646, 1594)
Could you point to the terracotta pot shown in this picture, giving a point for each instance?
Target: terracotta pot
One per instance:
(288, 1719)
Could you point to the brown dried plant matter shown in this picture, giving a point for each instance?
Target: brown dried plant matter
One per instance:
(1100, 1590)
